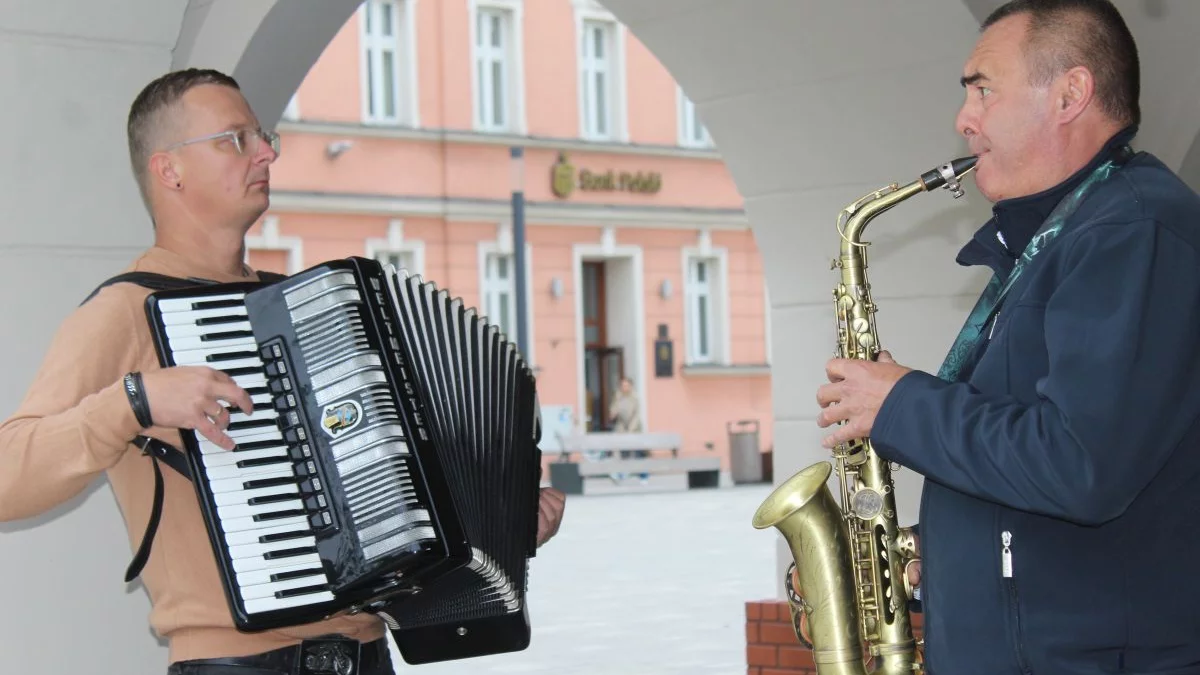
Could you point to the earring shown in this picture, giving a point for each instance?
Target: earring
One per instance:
(179, 186)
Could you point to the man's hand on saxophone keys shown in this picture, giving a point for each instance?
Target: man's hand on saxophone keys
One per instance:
(856, 391)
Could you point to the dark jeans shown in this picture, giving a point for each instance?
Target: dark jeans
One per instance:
(303, 659)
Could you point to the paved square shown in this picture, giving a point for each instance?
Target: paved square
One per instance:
(642, 580)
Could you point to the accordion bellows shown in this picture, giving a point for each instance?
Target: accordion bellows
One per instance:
(391, 464)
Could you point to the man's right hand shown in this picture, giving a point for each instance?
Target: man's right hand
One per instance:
(195, 397)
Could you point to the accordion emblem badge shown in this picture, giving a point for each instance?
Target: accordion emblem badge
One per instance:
(341, 417)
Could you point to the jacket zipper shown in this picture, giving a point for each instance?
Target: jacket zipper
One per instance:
(1006, 571)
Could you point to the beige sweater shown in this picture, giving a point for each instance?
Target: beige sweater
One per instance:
(75, 423)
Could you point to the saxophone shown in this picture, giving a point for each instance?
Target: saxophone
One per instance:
(848, 581)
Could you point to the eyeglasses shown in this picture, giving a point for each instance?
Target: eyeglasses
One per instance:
(245, 141)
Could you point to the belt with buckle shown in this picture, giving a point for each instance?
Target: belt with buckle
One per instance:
(326, 655)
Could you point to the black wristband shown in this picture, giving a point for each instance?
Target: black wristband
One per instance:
(137, 399)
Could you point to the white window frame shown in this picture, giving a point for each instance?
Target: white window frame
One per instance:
(514, 100)
(686, 121)
(718, 314)
(590, 12)
(503, 245)
(403, 44)
(396, 244)
(271, 240)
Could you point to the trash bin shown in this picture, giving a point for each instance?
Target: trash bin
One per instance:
(745, 459)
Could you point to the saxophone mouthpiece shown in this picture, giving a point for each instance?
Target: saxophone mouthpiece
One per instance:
(950, 175)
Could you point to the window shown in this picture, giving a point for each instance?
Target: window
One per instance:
(700, 310)
(389, 62)
(692, 133)
(397, 250)
(497, 70)
(499, 294)
(706, 304)
(401, 260)
(597, 79)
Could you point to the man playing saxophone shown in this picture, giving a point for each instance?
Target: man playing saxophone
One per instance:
(1060, 440)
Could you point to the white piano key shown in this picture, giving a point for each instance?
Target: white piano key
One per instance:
(268, 590)
(269, 604)
(260, 563)
(259, 399)
(248, 524)
(192, 330)
(250, 380)
(258, 550)
(237, 483)
(256, 577)
(251, 435)
(280, 526)
(191, 317)
(248, 510)
(198, 358)
(246, 472)
(243, 496)
(194, 342)
(185, 304)
(227, 458)
(255, 416)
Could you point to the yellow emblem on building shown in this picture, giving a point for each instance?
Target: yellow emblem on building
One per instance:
(562, 177)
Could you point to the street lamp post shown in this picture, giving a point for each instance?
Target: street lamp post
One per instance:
(518, 230)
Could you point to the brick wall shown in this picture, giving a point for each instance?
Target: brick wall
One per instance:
(771, 644)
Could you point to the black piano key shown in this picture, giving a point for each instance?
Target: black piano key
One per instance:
(262, 461)
(256, 445)
(216, 304)
(216, 320)
(234, 372)
(270, 499)
(284, 536)
(296, 574)
(251, 424)
(227, 335)
(269, 482)
(289, 552)
(230, 356)
(303, 590)
(264, 517)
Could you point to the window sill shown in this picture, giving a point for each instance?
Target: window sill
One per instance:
(725, 370)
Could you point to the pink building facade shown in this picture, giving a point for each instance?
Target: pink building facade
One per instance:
(397, 147)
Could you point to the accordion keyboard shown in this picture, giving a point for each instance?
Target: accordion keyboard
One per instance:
(319, 506)
(267, 505)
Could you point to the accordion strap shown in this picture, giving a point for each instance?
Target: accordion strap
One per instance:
(156, 449)
(174, 459)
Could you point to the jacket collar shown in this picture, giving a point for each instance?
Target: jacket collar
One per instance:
(1014, 221)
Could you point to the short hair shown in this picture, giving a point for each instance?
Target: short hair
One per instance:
(1064, 34)
(151, 110)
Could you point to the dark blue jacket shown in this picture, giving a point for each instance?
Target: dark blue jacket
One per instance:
(1077, 435)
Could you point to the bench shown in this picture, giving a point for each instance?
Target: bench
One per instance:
(567, 475)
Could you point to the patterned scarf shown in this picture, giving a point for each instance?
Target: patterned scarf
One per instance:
(988, 304)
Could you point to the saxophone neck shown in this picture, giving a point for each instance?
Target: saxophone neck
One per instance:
(859, 214)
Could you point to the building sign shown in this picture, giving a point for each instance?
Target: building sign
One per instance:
(565, 179)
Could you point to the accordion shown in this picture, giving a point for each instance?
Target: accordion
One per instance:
(390, 464)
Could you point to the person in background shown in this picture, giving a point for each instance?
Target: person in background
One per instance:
(625, 415)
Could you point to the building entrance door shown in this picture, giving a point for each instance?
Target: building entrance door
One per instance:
(603, 365)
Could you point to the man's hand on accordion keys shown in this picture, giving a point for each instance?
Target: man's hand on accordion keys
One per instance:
(551, 504)
(192, 397)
